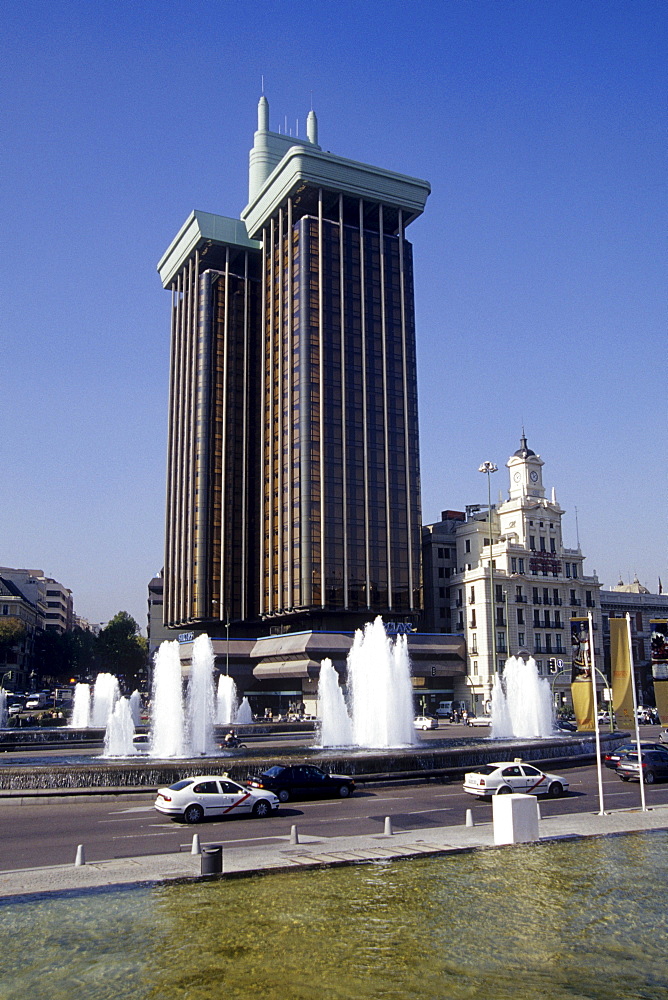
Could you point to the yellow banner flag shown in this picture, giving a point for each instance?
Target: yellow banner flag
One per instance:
(583, 704)
(620, 662)
(661, 698)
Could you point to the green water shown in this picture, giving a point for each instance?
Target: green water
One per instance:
(579, 919)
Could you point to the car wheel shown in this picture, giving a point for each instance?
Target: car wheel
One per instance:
(425, 728)
(193, 814)
(503, 790)
(624, 777)
(344, 792)
(555, 790)
(283, 795)
(261, 809)
(649, 777)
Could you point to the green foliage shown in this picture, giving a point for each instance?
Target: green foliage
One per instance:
(78, 654)
(122, 650)
(62, 657)
(12, 630)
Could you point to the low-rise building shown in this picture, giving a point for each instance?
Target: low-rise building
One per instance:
(52, 600)
(511, 584)
(642, 607)
(17, 657)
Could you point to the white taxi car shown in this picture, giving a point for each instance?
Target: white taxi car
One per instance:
(191, 799)
(502, 777)
(425, 722)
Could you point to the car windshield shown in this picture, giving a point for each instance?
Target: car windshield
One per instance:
(181, 784)
(274, 772)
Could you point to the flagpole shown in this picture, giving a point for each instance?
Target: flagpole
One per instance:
(592, 670)
(635, 712)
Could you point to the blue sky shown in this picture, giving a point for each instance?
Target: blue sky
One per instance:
(540, 258)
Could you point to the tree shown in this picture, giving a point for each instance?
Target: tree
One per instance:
(12, 630)
(122, 650)
(61, 657)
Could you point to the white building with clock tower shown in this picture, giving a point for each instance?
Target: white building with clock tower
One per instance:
(525, 600)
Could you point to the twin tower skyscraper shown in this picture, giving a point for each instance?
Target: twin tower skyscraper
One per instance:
(293, 483)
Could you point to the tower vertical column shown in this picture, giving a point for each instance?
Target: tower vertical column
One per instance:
(344, 395)
(364, 404)
(407, 448)
(386, 449)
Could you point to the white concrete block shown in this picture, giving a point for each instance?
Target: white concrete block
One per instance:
(515, 818)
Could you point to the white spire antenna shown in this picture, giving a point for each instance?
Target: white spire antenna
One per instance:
(262, 79)
(577, 528)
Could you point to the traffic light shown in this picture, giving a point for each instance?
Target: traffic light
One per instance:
(552, 665)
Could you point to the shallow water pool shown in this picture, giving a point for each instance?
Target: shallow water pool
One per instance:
(566, 920)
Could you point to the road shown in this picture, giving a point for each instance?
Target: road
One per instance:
(34, 835)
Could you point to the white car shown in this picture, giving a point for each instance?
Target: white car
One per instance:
(192, 799)
(507, 776)
(425, 722)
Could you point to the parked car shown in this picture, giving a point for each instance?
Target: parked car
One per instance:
(564, 726)
(613, 758)
(193, 799)
(302, 781)
(502, 777)
(654, 766)
(425, 722)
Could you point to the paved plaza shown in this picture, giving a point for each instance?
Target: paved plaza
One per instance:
(311, 852)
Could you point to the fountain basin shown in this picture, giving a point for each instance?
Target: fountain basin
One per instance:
(114, 774)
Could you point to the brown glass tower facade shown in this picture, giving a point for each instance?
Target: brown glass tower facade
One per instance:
(293, 479)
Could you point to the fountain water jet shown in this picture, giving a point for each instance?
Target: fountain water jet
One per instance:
(105, 695)
(226, 701)
(200, 703)
(521, 702)
(3, 709)
(119, 735)
(244, 714)
(135, 707)
(379, 691)
(81, 707)
(335, 728)
(167, 723)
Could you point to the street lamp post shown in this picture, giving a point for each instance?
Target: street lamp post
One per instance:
(488, 468)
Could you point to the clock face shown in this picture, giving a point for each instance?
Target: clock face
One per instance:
(517, 477)
(534, 477)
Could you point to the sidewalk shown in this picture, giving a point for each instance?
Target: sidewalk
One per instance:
(311, 852)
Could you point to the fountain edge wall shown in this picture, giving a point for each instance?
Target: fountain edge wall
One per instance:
(112, 775)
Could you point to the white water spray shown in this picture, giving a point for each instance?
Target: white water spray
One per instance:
(135, 707)
(120, 731)
(226, 701)
(167, 723)
(521, 702)
(336, 729)
(200, 704)
(244, 714)
(105, 695)
(379, 691)
(81, 707)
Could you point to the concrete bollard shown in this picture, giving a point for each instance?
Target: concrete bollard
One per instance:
(515, 818)
(294, 835)
(196, 849)
(469, 818)
(388, 826)
(81, 856)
